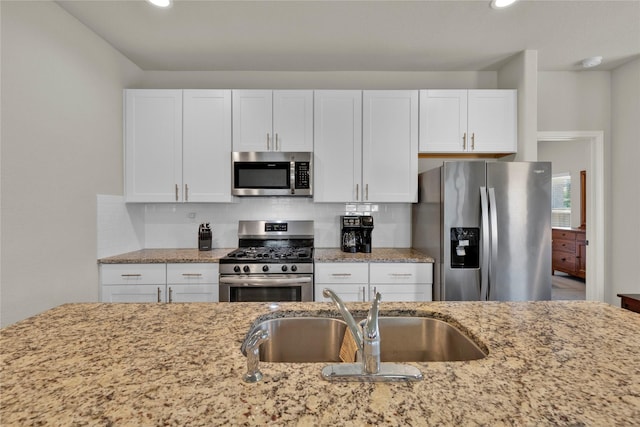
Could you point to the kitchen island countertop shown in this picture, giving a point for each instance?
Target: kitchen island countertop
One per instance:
(549, 363)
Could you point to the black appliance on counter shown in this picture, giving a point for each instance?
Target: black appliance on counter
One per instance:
(273, 262)
(205, 237)
(355, 233)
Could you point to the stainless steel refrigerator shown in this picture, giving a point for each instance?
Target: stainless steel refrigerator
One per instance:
(488, 226)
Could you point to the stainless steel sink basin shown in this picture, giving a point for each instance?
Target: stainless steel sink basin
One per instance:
(403, 339)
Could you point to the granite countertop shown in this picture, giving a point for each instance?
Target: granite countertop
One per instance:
(151, 256)
(376, 255)
(549, 363)
(169, 255)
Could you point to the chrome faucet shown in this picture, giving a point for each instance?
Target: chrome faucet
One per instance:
(367, 340)
(251, 346)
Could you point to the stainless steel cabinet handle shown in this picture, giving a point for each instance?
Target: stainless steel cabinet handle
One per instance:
(364, 294)
(268, 143)
(366, 192)
(159, 295)
(170, 294)
(131, 275)
(473, 141)
(357, 192)
(464, 141)
(186, 193)
(277, 145)
(176, 192)
(192, 274)
(341, 274)
(401, 274)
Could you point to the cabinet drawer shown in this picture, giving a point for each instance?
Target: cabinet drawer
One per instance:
(563, 246)
(563, 234)
(133, 274)
(192, 273)
(564, 261)
(344, 272)
(400, 273)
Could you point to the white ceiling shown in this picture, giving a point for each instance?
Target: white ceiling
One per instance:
(338, 35)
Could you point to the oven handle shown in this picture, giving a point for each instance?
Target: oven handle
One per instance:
(259, 281)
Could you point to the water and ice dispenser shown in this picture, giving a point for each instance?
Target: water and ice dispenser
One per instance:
(465, 247)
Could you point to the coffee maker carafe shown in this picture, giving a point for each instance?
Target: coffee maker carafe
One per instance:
(350, 233)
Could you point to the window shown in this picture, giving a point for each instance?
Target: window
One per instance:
(561, 200)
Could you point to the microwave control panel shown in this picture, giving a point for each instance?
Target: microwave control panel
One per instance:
(302, 175)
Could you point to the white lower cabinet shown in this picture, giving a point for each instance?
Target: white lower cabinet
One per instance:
(359, 281)
(192, 282)
(159, 282)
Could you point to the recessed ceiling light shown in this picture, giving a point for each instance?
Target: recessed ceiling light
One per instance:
(500, 4)
(160, 3)
(594, 61)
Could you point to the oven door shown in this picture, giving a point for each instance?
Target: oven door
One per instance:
(266, 288)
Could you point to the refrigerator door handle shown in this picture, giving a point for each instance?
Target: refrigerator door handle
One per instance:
(484, 267)
(493, 211)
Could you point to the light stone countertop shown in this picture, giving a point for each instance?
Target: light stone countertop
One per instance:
(168, 255)
(376, 255)
(172, 255)
(549, 363)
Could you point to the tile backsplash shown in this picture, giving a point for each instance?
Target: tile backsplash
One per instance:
(156, 225)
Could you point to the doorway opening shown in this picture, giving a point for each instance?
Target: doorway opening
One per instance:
(593, 147)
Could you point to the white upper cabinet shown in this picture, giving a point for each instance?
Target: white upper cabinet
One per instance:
(177, 145)
(338, 145)
(206, 146)
(366, 146)
(153, 145)
(266, 120)
(390, 146)
(468, 121)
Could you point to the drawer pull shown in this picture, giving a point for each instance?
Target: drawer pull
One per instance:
(192, 274)
(341, 274)
(131, 275)
(401, 274)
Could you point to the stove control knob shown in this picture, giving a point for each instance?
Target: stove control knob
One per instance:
(265, 268)
(294, 268)
(246, 269)
(284, 268)
(236, 269)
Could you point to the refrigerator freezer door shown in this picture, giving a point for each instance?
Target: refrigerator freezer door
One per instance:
(521, 267)
(461, 182)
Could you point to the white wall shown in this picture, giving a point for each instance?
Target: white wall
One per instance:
(572, 157)
(625, 186)
(521, 73)
(61, 145)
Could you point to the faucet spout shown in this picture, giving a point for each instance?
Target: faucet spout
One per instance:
(371, 339)
(346, 315)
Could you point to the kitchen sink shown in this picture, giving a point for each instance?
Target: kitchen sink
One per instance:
(403, 339)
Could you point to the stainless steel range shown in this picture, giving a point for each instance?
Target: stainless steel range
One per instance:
(273, 262)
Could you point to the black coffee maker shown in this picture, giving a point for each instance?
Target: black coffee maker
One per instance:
(356, 233)
(366, 227)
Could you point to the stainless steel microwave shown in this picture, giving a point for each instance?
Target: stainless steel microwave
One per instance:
(272, 173)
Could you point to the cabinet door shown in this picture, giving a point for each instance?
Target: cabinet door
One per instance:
(293, 120)
(338, 145)
(390, 146)
(206, 151)
(153, 145)
(492, 121)
(348, 292)
(192, 293)
(252, 120)
(443, 121)
(405, 293)
(133, 293)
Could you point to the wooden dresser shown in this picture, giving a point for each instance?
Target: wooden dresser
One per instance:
(569, 251)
